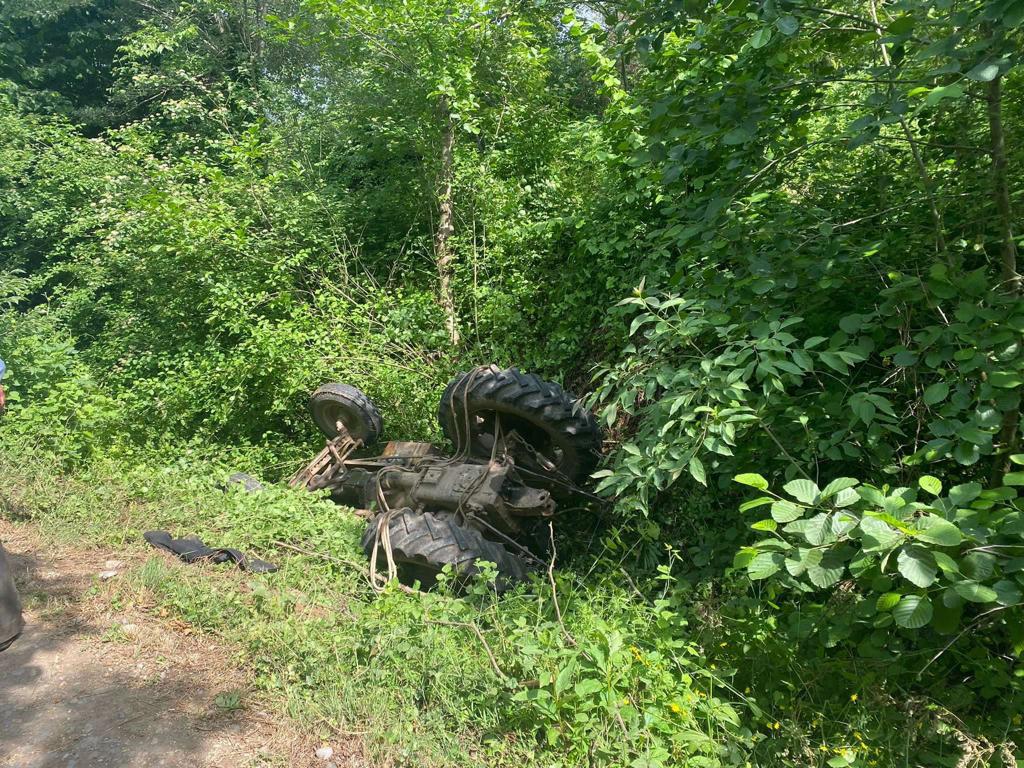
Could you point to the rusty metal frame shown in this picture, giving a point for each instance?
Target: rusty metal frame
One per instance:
(324, 471)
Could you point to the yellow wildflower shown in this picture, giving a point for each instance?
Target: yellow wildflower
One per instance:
(854, 697)
(675, 708)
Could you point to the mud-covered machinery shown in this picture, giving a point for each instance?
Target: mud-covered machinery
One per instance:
(522, 446)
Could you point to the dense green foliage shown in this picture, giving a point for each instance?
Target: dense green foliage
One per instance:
(775, 243)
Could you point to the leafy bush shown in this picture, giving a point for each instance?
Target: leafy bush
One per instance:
(918, 564)
(54, 401)
(897, 575)
(706, 375)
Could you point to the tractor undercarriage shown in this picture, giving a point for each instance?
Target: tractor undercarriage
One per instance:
(521, 447)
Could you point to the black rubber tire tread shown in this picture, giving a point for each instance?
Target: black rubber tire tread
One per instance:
(542, 403)
(349, 405)
(430, 541)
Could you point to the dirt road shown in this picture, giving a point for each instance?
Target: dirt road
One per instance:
(92, 683)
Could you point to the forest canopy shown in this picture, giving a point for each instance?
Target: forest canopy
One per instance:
(775, 246)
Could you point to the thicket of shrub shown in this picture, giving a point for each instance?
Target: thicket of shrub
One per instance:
(773, 244)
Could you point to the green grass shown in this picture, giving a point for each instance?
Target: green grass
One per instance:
(677, 677)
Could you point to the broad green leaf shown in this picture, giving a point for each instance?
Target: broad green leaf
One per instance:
(1005, 379)
(936, 393)
(752, 479)
(913, 612)
(805, 558)
(804, 491)
(974, 592)
(641, 320)
(887, 601)
(587, 688)
(842, 760)
(975, 435)
(954, 91)
(871, 495)
(786, 511)
(697, 470)
(877, 536)
(761, 38)
(901, 25)
(788, 25)
(946, 563)
(936, 530)
(833, 361)
(845, 497)
(765, 564)
(851, 323)
(843, 523)
(755, 503)
(1007, 593)
(819, 530)
(966, 454)
(837, 485)
(743, 557)
(905, 359)
(917, 566)
(765, 525)
(946, 620)
(737, 136)
(1013, 478)
(978, 565)
(931, 484)
(962, 495)
(827, 572)
(564, 678)
(983, 72)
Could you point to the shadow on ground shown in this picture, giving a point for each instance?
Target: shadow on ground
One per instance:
(79, 691)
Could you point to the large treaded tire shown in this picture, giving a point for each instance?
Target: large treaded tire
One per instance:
(335, 402)
(423, 543)
(550, 419)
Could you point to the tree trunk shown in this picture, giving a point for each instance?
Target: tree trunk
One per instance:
(1010, 280)
(445, 226)
(1008, 260)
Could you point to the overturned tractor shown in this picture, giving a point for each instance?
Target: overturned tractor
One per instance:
(522, 447)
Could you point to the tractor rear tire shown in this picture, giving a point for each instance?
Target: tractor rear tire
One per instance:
(423, 543)
(550, 420)
(335, 402)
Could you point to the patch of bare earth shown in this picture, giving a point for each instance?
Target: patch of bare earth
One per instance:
(93, 684)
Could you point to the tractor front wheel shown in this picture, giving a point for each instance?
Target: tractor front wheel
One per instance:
(334, 404)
